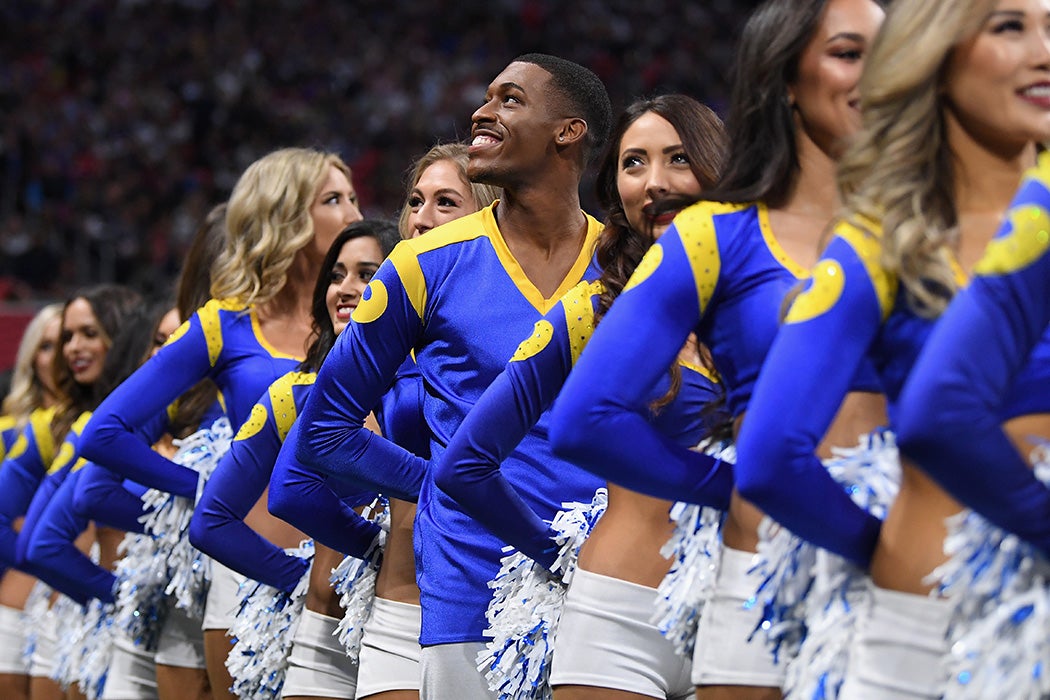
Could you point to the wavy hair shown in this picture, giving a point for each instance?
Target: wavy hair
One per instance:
(27, 390)
(456, 153)
(268, 222)
(899, 167)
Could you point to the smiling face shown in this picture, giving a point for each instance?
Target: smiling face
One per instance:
(824, 94)
(514, 128)
(84, 342)
(333, 209)
(358, 261)
(997, 84)
(652, 165)
(441, 195)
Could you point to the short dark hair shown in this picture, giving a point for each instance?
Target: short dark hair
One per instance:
(584, 93)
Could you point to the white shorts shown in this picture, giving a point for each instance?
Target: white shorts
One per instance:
(605, 640)
(318, 665)
(450, 672)
(12, 641)
(132, 673)
(724, 654)
(223, 600)
(899, 648)
(181, 643)
(45, 653)
(390, 651)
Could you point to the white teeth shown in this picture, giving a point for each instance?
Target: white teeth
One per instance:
(1040, 91)
(482, 139)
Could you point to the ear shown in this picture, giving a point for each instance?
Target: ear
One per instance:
(572, 131)
(790, 96)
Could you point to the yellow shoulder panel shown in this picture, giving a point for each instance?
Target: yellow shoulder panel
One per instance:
(1027, 242)
(579, 315)
(696, 228)
(212, 324)
(868, 247)
(283, 402)
(40, 419)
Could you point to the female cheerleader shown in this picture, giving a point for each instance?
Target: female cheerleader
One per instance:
(953, 110)
(722, 270)
(281, 217)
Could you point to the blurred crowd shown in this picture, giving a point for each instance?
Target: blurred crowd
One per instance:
(124, 121)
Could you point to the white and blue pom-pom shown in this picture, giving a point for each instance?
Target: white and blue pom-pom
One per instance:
(811, 598)
(263, 630)
(34, 617)
(355, 582)
(999, 586)
(168, 519)
(70, 639)
(95, 651)
(695, 549)
(141, 605)
(526, 606)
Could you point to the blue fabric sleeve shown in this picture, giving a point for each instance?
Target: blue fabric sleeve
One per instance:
(113, 436)
(20, 475)
(351, 382)
(51, 554)
(802, 384)
(469, 470)
(400, 412)
(601, 418)
(949, 421)
(217, 527)
(307, 500)
(103, 496)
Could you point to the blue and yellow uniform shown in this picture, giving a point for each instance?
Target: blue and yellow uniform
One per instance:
(321, 505)
(222, 342)
(8, 434)
(242, 476)
(717, 271)
(45, 544)
(469, 470)
(460, 300)
(988, 361)
(21, 473)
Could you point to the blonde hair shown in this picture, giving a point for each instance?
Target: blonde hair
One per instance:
(898, 169)
(27, 390)
(268, 222)
(484, 195)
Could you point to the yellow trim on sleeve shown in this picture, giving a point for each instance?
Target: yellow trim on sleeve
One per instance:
(823, 293)
(1026, 243)
(696, 229)
(868, 247)
(283, 400)
(579, 315)
(541, 336)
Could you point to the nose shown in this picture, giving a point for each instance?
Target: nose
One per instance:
(352, 286)
(656, 182)
(351, 213)
(424, 220)
(1041, 51)
(482, 113)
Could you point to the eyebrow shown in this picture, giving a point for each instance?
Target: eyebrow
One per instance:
(443, 190)
(511, 85)
(668, 149)
(850, 36)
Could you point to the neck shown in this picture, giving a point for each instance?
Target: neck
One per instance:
(985, 176)
(295, 297)
(814, 192)
(545, 217)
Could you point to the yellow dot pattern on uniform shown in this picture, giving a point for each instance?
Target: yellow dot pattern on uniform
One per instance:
(254, 424)
(283, 401)
(1025, 244)
(824, 292)
(696, 228)
(579, 315)
(373, 303)
(646, 267)
(541, 336)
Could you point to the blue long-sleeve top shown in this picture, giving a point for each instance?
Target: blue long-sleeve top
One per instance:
(50, 553)
(469, 470)
(322, 506)
(988, 360)
(223, 342)
(717, 271)
(217, 527)
(20, 475)
(460, 300)
(8, 435)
